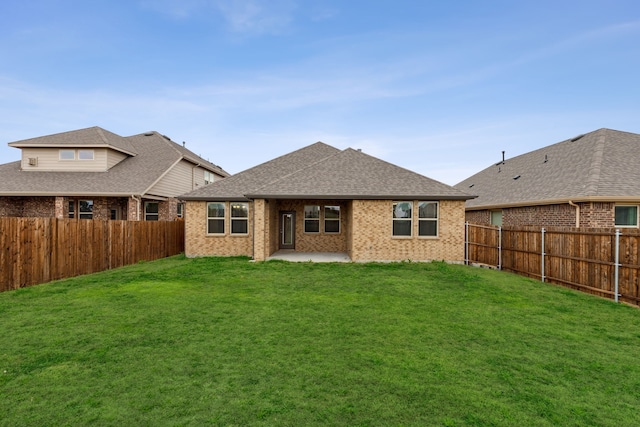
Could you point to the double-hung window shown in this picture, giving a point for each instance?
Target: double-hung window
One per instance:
(151, 211)
(626, 216)
(215, 218)
(72, 209)
(402, 214)
(239, 218)
(312, 219)
(428, 219)
(208, 177)
(332, 219)
(85, 208)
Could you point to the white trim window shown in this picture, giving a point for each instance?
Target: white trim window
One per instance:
(151, 211)
(428, 219)
(215, 218)
(402, 219)
(85, 209)
(332, 219)
(626, 216)
(72, 208)
(180, 210)
(85, 154)
(239, 218)
(67, 154)
(208, 177)
(496, 218)
(312, 219)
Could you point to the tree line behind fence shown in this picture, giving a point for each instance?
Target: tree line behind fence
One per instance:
(39, 250)
(597, 261)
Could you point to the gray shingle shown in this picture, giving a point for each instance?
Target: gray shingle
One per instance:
(598, 165)
(321, 171)
(154, 155)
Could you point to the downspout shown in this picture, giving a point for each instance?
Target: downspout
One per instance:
(138, 201)
(577, 213)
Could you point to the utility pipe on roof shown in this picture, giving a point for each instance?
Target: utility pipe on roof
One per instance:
(577, 213)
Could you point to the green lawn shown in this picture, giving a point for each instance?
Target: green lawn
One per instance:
(230, 342)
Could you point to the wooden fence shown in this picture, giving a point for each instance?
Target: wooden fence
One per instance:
(604, 262)
(38, 250)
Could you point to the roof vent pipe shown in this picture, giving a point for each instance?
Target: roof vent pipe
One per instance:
(184, 143)
(503, 157)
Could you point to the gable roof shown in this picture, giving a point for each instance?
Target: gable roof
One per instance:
(153, 155)
(320, 171)
(600, 165)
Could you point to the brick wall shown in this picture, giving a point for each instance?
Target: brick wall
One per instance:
(592, 215)
(372, 238)
(597, 214)
(199, 243)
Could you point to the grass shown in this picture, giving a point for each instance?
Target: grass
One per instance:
(228, 342)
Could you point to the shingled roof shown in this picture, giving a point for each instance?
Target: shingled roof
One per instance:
(320, 171)
(600, 165)
(152, 155)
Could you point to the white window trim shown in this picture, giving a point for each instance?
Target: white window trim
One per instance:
(338, 220)
(410, 219)
(626, 206)
(305, 219)
(436, 219)
(67, 151)
(80, 213)
(93, 156)
(157, 214)
(238, 218)
(223, 218)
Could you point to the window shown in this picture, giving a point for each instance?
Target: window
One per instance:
(332, 219)
(215, 218)
(85, 154)
(180, 211)
(208, 177)
(626, 216)
(239, 218)
(72, 209)
(85, 208)
(312, 219)
(402, 213)
(67, 154)
(496, 218)
(428, 219)
(151, 211)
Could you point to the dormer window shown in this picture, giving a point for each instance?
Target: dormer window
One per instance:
(85, 154)
(67, 155)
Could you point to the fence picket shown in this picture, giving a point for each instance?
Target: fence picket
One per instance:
(38, 250)
(582, 259)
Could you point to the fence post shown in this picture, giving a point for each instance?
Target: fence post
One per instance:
(617, 265)
(466, 243)
(543, 254)
(500, 248)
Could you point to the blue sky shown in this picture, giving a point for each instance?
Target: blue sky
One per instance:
(438, 87)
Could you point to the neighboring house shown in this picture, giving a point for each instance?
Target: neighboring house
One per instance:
(322, 199)
(95, 174)
(592, 181)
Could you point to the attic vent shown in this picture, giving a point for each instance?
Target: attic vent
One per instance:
(166, 137)
(546, 159)
(148, 134)
(471, 185)
(516, 177)
(33, 161)
(575, 138)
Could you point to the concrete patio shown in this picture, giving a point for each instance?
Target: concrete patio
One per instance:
(293, 256)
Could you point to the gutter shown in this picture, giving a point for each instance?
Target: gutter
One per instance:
(577, 213)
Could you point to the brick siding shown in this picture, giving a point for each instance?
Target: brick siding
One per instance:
(592, 215)
(365, 232)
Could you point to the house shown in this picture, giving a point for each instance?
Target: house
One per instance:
(591, 180)
(322, 199)
(95, 174)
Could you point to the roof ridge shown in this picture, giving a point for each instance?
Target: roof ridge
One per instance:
(593, 181)
(302, 168)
